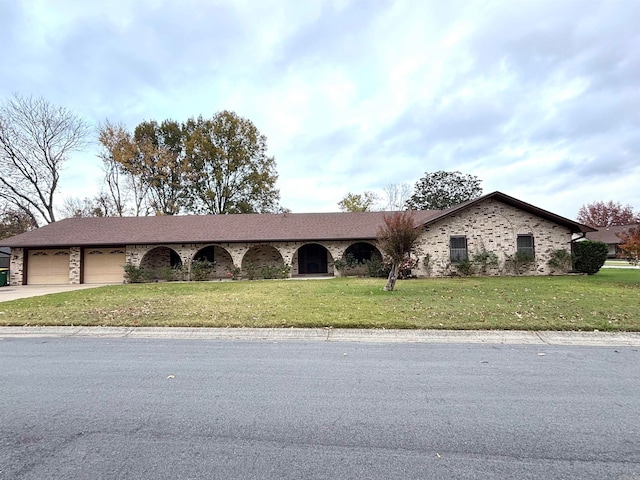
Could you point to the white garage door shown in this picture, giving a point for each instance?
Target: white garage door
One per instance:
(48, 267)
(104, 265)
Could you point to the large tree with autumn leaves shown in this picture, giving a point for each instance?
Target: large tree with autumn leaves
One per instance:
(212, 165)
(607, 214)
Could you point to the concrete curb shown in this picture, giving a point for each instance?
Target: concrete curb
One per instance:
(630, 339)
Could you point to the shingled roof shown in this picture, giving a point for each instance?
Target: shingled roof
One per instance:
(238, 228)
(206, 229)
(610, 234)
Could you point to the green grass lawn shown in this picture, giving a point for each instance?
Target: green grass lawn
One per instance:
(609, 300)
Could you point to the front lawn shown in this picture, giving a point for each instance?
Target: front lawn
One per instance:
(609, 300)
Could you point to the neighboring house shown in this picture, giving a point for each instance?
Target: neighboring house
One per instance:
(610, 236)
(95, 250)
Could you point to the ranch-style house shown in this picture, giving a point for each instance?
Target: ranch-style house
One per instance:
(96, 250)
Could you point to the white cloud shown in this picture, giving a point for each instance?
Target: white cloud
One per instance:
(537, 98)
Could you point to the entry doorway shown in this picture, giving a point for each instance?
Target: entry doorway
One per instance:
(312, 259)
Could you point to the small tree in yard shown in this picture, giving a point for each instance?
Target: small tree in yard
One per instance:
(589, 256)
(397, 239)
(631, 246)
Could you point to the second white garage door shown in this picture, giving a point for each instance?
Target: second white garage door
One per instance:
(104, 265)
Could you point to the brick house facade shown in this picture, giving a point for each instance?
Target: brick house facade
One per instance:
(95, 250)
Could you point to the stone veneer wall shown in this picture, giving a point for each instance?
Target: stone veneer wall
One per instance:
(75, 255)
(16, 267)
(492, 226)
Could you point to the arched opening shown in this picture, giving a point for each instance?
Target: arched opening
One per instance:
(312, 259)
(362, 252)
(206, 254)
(211, 262)
(362, 258)
(162, 263)
(263, 261)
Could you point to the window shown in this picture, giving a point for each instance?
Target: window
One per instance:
(458, 247)
(524, 245)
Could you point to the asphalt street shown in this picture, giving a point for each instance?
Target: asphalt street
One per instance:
(163, 408)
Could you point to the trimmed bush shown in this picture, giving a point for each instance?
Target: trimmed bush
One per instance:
(560, 260)
(133, 274)
(520, 262)
(589, 256)
(285, 271)
(201, 270)
(465, 267)
(376, 268)
(169, 274)
(485, 259)
(270, 271)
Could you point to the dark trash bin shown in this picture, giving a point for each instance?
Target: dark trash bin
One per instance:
(4, 276)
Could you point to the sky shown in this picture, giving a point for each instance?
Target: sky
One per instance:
(539, 99)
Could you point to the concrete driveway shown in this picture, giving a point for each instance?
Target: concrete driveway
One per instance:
(25, 291)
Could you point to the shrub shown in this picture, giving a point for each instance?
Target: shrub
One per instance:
(520, 262)
(251, 269)
(560, 260)
(426, 261)
(134, 274)
(485, 259)
(285, 270)
(465, 267)
(234, 272)
(340, 265)
(270, 271)
(589, 256)
(375, 268)
(201, 270)
(168, 274)
(349, 261)
(404, 268)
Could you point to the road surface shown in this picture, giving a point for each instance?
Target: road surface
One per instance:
(116, 408)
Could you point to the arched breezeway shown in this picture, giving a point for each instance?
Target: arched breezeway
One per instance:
(217, 259)
(263, 261)
(159, 257)
(162, 263)
(313, 259)
(362, 252)
(357, 257)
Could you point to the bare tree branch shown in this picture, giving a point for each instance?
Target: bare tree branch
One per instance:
(36, 139)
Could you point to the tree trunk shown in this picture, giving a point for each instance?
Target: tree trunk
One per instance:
(393, 276)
